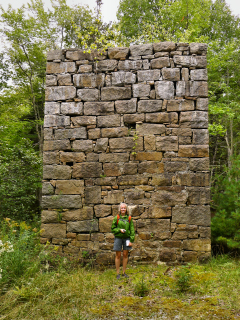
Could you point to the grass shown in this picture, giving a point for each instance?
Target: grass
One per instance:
(68, 293)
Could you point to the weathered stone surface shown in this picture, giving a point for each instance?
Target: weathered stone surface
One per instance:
(149, 106)
(77, 133)
(53, 230)
(167, 198)
(193, 179)
(47, 188)
(134, 196)
(72, 157)
(88, 94)
(111, 169)
(160, 63)
(60, 93)
(125, 144)
(84, 121)
(198, 195)
(134, 180)
(85, 68)
(193, 151)
(87, 170)
(158, 212)
(163, 117)
(106, 65)
(150, 167)
(56, 121)
(189, 256)
(161, 180)
(185, 74)
(83, 145)
(185, 132)
(141, 90)
(197, 244)
(106, 181)
(118, 53)
(93, 195)
(50, 158)
(101, 145)
(94, 133)
(50, 145)
(202, 104)
(85, 213)
(148, 75)
(98, 108)
(164, 46)
(122, 77)
(130, 65)
(200, 136)
(168, 143)
(180, 105)
(133, 118)
(182, 88)
(113, 93)
(70, 187)
(153, 225)
(167, 255)
(205, 232)
(54, 55)
(105, 224)
(62, 67)
(51, 80)
(82, 226)
(198, 89)
(62, 201)
(102, 210)
(150, 129)
(141, 49)
(84, 55)
(49, 216)
(150, 156)
(114, 132)
(149, 142)
(199, 215)
(91, 80)
(72, 108)
(108, 121)
(129, 168)
(115, 196)
(52, 108)
(175, 166)
(172, 244)
(64, 79)
(164, 90)
(198, 48)
(126, 106)
(114, 157)
(171, 74)
(57, 172)
(190, 61)
(197, 119)
(199, 164)
(199, 74)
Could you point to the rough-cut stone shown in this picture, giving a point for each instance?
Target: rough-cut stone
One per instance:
(199, 74)
(72, 108)
(115, 196)
(64, 79)
(101, 145)
(132, 180)
(169, 198)
(98, 108)
(56, 121)
(198, 195)
(105, 224)
(114, 157)
(82, 226)
(113, 93)
(198, 89)
(51, 145)
(164, 90)
(149, 106)
(161, 180)
(72, 157)
(85, 213)
(108, 121)
(150, 167)
(49, 216)
(163, 117)
(87, 170)
(141, 49)
(82, 145)
(199, 215)
(62, 67)
(130, 65)
(160, 63)
(77, 133)
(164, 46)
(94, 133)
(88, 94)
(149, 142)
(202, 104)
(128, 106)
(111, 169)
(168, 143)
(57, 172)
(193, 151)
(200, 136)
(133, 118)
(92, 195)
(50, 158)
(118, 53)
(102, 210)
(62, 201)
(148, 75)
(199, 164)
(193, 179)
(190, 61)
(54, 55)
(153, 225)
(122, 77)
(52, 108)
(106, 65)
(197, 244)
(180, 105)
(84, 121)
(198, 48)
(47, 188)
(175, 166)
(85, 68)
(197, 119)
(53, 230)
(60, 93)
(70, 187)
(150, 128)
(171, 74)
(141, 90)
(114, 132)
(84, 55)
(125, 144)
(149, 156)
(88, 80)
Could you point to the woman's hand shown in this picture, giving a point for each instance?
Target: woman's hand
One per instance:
(123, 230)
(130, 244)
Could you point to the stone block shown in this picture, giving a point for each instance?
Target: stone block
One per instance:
(179, 235)
(182, 88)
(83, 226)
(72, 157)
(149, 142)
(162, 117)
(199, 164)
(114, 197)
(91, 80)
(70, 187)
(54, 55)
(94, 134)
(48, 133)
(171, 74)
(198, 48)
(133, 118)
(100, 237)
(62, 201)
(92, 157)
(149, 129)
(101, 145)
(82, 145)
(115, 93)
(149, 156)
(114, 132)
(50, 158)
(164, 90)
(85, 213)
(87, 170)
(191, 61)
(49, 216)
(185, 74)
(64, 79)
(134, 196)
(106, 181)
(182, 132)
(47, 188)
(57, 172)
(129, 168)
(53, 230)
(193, 151)
(56, 121)
(205, 232)
(133, 180)
(60, 93)
(200, 136)
(76, 133)
(153, 225)
(161, 179)
(50, 145)
(198, 195)
(84, 55)
(118, 53)
(88, 94)
(164, 46)
(92, 195)
(114, 157)
(172, 244)
(129, 106)
(52, 108)
(108, 121)
(106, 65)
(168, 143)
(72, 108)
(130, 65)
(122, 77)
(175, 166)
(60, 67)
(111, 169)
(197, 119)
(160, 63)
(197, 245)
(141, 90)
(167, 198)
(84, 121)
(198, 214)
(202, 104)
(189, 256)
(85, 68)
(149, 106)
(141, 49)
(125, 144)
(150, 167)
(148, 75)
(193, 179)
(199, 74)
(159, 212)
(167, 255)
(105, 224)
(102, 210)
(198, 89)
(180, 105)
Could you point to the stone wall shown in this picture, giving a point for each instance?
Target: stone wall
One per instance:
(129, 124)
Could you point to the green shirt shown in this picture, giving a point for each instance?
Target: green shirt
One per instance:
(123, 223)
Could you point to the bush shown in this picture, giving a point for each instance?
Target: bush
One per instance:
(183, 278)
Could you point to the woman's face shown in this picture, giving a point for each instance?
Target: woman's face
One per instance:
(123, 209)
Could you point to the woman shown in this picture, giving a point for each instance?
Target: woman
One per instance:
(123, 230)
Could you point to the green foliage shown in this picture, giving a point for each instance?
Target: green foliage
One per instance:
(141, 289)
(183, 278)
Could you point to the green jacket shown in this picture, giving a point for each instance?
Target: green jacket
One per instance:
(123, 223)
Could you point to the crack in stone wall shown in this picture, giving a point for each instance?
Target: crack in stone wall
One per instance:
(128, 124)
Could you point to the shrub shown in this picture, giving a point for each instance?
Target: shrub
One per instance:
(141, 288)
(183, 278)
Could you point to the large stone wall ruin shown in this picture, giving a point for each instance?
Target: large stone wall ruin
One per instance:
(128, 124)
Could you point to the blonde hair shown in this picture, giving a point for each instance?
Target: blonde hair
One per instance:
(119, 208)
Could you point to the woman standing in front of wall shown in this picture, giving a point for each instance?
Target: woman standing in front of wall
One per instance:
(123, 230)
